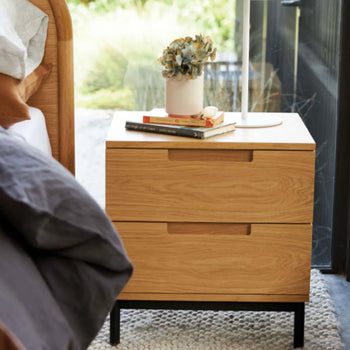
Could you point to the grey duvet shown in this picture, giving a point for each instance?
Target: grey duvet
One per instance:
(62, 263)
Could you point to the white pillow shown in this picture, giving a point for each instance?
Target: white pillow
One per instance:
(33, 131)
(23, 31)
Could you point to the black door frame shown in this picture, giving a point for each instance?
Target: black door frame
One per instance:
(341, 213)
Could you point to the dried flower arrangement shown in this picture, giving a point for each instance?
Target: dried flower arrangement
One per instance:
(185, 56)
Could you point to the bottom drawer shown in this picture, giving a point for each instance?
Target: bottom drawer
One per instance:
(220, 259)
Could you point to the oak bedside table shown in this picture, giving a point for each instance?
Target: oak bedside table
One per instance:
(223, 223)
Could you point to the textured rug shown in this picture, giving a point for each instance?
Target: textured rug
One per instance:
(226, 330)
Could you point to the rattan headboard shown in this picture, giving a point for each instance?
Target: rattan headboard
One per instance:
(56, 96)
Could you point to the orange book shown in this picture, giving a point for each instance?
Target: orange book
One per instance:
(158, 116)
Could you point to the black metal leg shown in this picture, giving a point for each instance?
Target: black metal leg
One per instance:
(297, 308)
(114, 325)
(299, 320)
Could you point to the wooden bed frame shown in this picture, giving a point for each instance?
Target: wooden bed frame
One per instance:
(55, 98)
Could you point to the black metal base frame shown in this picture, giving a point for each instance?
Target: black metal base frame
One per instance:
(297, 308)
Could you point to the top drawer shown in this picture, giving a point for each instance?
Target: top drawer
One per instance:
(250, 186)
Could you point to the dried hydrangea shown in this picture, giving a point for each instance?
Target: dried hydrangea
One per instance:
(185, 56)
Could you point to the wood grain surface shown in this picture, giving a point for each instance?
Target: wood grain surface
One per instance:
(222, 219)
(273, 259)
(55, 98)
(277, 298)
(150, 185)
(290, 135)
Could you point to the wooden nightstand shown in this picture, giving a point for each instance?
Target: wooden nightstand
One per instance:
(226, 219)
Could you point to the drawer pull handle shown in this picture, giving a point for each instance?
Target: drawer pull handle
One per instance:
(210, 155)
(209, 228)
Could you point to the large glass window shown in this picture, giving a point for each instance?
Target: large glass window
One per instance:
(117, 47)
(296, 50)
(294, 67)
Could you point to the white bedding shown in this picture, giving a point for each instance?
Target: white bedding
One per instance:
(33, 131)
(23, 31)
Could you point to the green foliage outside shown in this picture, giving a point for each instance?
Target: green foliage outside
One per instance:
(117, 44)
(108, 72)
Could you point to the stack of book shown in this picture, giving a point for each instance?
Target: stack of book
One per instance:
(201, 127)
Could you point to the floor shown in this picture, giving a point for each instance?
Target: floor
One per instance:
(339, 289)
(90, 141)
(91, 128)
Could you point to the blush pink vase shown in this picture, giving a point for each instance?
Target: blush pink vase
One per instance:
(184, 96)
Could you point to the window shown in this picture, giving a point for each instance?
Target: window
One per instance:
(294, 67)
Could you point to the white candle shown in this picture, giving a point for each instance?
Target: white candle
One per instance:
(245, 58)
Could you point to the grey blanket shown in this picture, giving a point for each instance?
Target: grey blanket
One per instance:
(62, 263)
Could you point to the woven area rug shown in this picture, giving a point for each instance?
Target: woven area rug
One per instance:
(226, 330)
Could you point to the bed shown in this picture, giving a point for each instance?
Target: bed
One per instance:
(62, 264)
